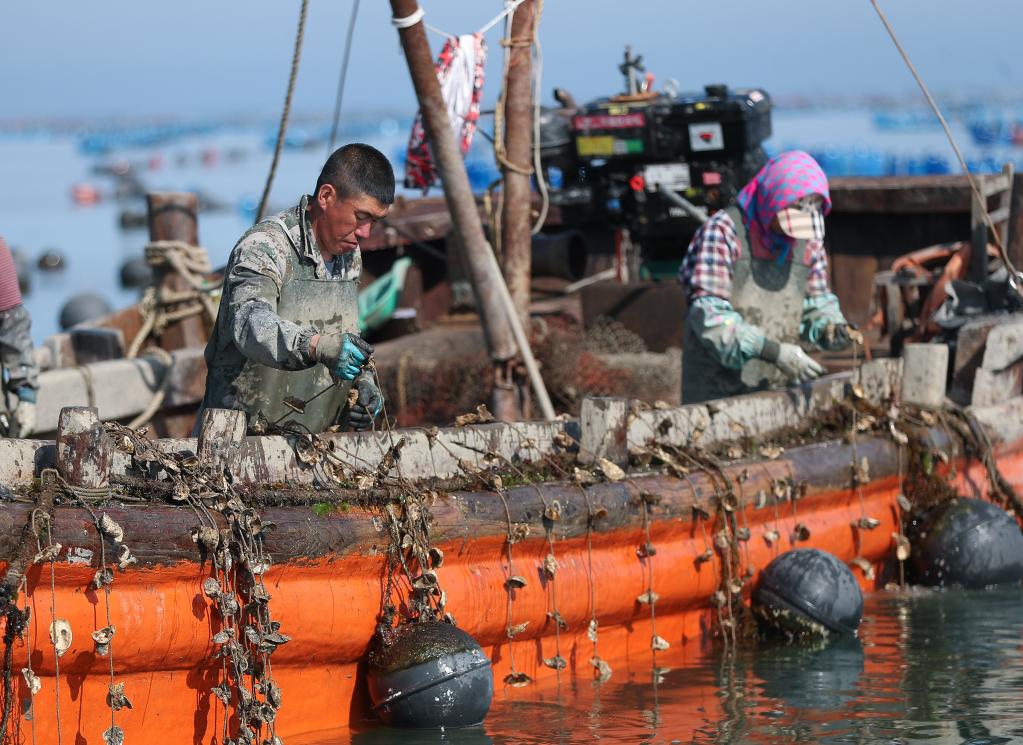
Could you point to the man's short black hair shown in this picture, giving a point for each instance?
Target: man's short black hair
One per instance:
(358, 169)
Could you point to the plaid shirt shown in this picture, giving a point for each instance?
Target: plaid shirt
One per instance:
(708, 266)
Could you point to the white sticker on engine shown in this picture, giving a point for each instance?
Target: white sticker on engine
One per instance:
(673, 175)
(706, 137)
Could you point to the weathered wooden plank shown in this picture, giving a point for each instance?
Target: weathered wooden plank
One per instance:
(120, 388)
(83, 449)
(906, 194)
(159, 534)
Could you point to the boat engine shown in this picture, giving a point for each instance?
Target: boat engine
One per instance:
(606, 161)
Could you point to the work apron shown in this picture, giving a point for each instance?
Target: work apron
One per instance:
(766, 294)
(327, 305)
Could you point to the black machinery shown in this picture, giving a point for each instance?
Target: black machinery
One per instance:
(607, 162)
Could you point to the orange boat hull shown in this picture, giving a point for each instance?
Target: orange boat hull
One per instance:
(328, 605)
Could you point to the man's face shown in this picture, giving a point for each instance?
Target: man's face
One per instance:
(343, 223)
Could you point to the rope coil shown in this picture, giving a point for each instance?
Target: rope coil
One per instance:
(410, 20)
(161, 306)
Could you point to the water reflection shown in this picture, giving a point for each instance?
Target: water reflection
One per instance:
(810, 676)
(946, 667)
(387, 736)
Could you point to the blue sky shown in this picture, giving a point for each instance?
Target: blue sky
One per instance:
(195, 57)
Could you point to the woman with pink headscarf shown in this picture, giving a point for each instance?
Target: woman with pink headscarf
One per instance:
(755, 278)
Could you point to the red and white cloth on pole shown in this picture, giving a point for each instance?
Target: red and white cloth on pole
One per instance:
(460, 72)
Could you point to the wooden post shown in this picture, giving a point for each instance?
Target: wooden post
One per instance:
(604, 430)
(459, 197)
(221, 435)
(173, 216)
(924, 372)
(516, 222)
(1014, 240)
(83, 450)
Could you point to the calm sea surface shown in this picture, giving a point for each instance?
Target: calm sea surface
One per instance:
(939, 667)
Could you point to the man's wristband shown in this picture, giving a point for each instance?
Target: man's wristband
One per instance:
(304, 338)
(770, 351)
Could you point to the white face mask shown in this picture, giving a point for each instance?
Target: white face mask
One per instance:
(804, 219)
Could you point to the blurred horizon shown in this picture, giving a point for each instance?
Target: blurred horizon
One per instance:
(188, 60)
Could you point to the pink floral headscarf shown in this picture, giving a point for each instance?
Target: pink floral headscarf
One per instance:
(785, 178)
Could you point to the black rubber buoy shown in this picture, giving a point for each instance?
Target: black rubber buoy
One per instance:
(136, 273)
(51, 260)
(82, 307)
(431, 675)
(966, 543)
(808, 592)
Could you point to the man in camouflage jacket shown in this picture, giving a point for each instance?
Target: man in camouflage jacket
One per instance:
(289, 305)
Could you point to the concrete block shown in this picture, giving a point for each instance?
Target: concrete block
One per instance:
(603, 424)
(924, 372)
(1004, 345)
(970, 343)
(997, 386)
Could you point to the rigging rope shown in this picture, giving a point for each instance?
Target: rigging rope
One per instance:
(1014, 275)
(295, 58)
(541, 183)
(343, 77)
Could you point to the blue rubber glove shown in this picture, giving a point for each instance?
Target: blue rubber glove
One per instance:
(343, 354)
(368, 406)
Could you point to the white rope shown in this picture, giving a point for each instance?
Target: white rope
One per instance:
(439, 31)
(541, 182)
(410, 20)
(509, 8)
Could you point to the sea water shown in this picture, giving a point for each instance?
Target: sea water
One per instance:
(927, 666)
(229, 162)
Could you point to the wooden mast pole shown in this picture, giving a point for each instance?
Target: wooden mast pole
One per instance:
(516, 218)
(516, 222)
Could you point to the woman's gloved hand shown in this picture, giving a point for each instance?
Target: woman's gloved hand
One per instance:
(797, 365)
(368, 406)
(835, 337)
(343, 354)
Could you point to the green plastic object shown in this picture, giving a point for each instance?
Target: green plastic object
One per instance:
(659, 269)
(379, 299)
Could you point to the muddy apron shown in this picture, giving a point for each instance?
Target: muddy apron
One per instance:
(326, 304)
(766, 294)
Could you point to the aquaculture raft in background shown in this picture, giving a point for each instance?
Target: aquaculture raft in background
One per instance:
(248, 577)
